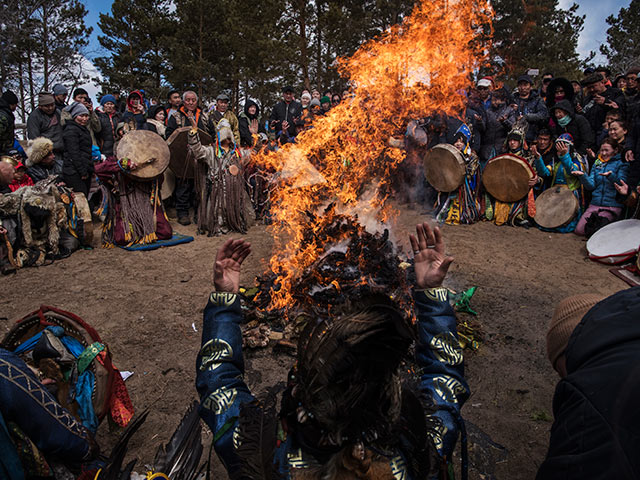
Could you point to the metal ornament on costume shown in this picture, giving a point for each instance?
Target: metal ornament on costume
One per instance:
(444, 167)
(556, 207)
(181, 162)
(506, 177)
(147, 150)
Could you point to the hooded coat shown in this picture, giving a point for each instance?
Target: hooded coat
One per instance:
(603, 190)
(40, 124)
(246, 140)
(108, 131)
(595, 433)
(578, 128)
(132, 120)
(77, 150)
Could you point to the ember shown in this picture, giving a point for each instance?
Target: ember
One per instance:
(413, 69)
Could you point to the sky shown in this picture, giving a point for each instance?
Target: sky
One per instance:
(593, 35)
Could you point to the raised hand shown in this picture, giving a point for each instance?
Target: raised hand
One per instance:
(226, 270)
(253, 126)
(622, 188)
(577, 173)
(431, 263)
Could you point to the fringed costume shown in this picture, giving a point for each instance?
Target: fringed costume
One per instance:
(223, 201)
(462, 206)
(133, 210)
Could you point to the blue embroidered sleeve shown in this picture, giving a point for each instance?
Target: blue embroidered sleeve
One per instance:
(219, 374)
(439, 356)
(541, 168)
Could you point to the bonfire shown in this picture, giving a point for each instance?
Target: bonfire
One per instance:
(332, 210)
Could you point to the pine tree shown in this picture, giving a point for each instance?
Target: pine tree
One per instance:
(536, 34)
(623, 38)
(136, 33)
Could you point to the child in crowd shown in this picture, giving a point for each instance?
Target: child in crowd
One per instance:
(20, 178)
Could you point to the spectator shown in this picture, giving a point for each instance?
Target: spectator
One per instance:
(567, 121)
(222, 111)
(599, 100)
(94, 126)
(305, 99)
(594, 345)
(483, 87)
(134, 118)
(8, 105)
(607, 170)
(45, 121)
(60, 93)
(606, 75)
(545, 159)
(109, 119)
(78, 165)
(530, 106)
(325, 102)
(618, 131)
(155, 122)
(500, 120)
(175, 101)
(250, 120)
(20, 178)
(547, 78)
(335, 100)
(316, 94)
(42, 161)
(285, 113)
(620, 83)
(315, 108)
(560, 89)
(121, 103)
(185, 187)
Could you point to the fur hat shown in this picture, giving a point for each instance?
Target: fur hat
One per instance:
(37, 150)
(566, 317)
(224, 130)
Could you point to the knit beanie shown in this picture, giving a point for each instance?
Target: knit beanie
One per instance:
(567, 315)
(325, 99)
(59, 89)
(45, 98)
(10, 97)
(77, 108)
(108, 98)
(314, 102)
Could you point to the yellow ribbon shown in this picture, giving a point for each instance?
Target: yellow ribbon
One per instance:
(152, 476)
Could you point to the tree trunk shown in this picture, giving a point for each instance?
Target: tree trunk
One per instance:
(319, 25)
(45, 48)
(304, 57)
(200, 48)
(30, 75)
(21, 88)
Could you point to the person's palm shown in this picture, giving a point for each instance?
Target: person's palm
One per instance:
(226, 270)
(431, 263)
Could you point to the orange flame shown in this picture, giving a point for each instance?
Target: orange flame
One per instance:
(412, 70)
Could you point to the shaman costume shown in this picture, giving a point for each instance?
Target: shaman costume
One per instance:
(230, 409)
(134, 210)
(462, 206)
(223, 201)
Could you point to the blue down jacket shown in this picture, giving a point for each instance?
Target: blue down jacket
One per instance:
(220, 383)
(604, 192)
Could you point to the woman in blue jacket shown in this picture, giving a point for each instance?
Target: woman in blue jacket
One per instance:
(608, 169)
(385, 431)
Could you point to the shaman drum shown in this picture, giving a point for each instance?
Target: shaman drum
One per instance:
(444, 167)
(148, 150)
(616, 242)
(168, 184)
(181, 161)
(84, 214)
(556, 207)
(506, 177)
(75, 328)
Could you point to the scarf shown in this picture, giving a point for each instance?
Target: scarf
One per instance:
(564, 121)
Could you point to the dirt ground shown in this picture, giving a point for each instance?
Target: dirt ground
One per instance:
(148, 307)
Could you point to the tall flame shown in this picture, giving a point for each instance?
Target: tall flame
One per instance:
(410, 71)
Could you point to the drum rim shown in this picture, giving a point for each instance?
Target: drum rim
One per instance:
(518, 158)
(456, 153)
(576, 204)
(605, 230)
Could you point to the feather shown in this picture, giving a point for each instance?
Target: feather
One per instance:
(111, 471)
(179, 458)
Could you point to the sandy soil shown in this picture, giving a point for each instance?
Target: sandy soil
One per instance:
(146, 306)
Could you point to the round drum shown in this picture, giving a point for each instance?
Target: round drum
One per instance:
(506, 177)
(168, 184)
(444, 167)
(84, 213)
(556, 207)
(181, 161)
(149, 152)
(615, 243)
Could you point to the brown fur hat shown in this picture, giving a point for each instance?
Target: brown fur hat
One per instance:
(37, 150)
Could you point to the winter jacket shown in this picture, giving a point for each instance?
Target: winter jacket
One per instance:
(595, 113)
(223, 391)
(496, 132)
(559, 171)
(283, 111)
(107, 137)
(94, 126)
(7, 127)
(534, 111)
(40, 124)
(578, 128)
(77, 150)
(180, 120)
(595, 431)
(603, 190)
(246, 140)
(215, 117)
